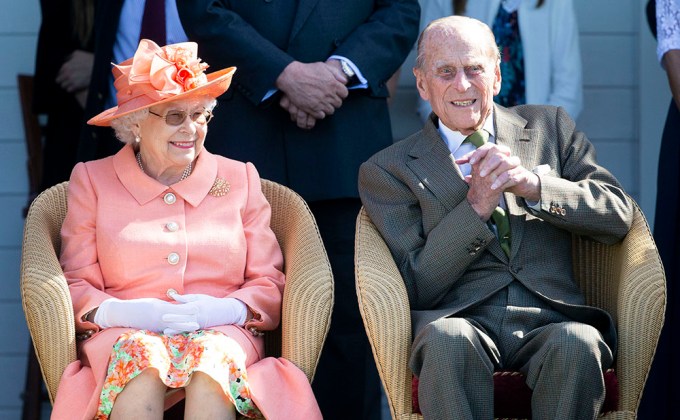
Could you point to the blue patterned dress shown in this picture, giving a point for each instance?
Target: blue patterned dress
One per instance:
(506, 30)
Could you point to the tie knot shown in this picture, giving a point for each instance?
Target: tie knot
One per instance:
(478, 138)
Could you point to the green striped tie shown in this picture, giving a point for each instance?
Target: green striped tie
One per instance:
(499, 217)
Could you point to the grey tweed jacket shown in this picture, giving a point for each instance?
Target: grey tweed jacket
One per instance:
(450, 260)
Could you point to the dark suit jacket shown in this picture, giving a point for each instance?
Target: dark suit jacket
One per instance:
(451, 260)
(56, 42)
(260, 38)
(99, 142)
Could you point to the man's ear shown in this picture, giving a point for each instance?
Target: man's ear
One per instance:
(497, 79)
(420, 83)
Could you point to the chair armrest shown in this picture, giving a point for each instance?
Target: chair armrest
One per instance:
(384, 307)
(308, 295)
(627, 280)
(44, 292)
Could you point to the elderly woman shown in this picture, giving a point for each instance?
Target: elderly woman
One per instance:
(171, 264)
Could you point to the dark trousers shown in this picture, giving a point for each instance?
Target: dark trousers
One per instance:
(659, 400)
(346, 383)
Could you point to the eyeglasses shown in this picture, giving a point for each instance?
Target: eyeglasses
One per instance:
(177, 117)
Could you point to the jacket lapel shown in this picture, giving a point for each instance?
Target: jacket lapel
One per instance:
(433, 164)
(304, 9)
(510, 132)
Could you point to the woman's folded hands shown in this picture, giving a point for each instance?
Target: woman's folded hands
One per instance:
(192, 312)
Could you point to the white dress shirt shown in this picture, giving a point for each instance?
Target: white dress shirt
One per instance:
(129, 29)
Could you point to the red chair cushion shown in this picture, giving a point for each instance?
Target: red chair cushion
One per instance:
(512, 396)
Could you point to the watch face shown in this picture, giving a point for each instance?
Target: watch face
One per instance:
(347, 69)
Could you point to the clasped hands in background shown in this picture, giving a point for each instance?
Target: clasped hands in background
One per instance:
(311, 91)
(190, 313)
(74, 74)
(495, 171)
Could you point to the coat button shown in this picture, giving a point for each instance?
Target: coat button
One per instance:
(172, 226)
(173, 258)
(169, 198)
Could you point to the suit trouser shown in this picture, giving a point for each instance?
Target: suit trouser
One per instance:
(563, 360)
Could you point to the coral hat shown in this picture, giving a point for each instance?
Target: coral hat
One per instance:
(156, 75)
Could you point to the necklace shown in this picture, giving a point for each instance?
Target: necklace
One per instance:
(185, 173)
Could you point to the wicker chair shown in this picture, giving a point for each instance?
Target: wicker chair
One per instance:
(307, 299)
(626, 279)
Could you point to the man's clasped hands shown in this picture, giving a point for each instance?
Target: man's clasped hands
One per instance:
(312, 91)
(495, 171)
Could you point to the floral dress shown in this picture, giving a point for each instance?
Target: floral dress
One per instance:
(506, 31)
(176, 358)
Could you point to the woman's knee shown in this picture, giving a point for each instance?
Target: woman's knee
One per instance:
(148, 379)
(205, 399)
(145, 393)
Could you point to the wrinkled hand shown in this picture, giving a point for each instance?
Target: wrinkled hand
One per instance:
(214, 311)
(74, 75)
(147, 314)
(316, 89)
(298, 116)
(494, 171)
(81, 97)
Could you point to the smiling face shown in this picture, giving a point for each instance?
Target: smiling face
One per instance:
(166, 149)
(459, 73)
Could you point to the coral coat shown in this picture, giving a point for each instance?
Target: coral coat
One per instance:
(116, 240)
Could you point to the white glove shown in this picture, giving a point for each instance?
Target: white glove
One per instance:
(147, 314)
(214, 311)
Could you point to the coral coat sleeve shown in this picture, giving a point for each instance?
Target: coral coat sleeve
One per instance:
(79, 258)
(263, 287)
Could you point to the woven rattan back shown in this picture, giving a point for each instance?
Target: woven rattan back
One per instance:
(626, 279)
(44, 292)
(308, 296)
(307, 301)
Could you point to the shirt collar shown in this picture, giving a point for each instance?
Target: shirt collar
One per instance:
(511, 5)
(454, 139)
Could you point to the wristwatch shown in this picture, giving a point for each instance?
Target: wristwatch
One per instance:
(352, 78)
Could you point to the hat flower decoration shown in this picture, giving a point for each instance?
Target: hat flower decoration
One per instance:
(156, 75)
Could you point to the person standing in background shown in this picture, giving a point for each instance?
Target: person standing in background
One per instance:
(540, 52)
(119, 25)
(63, 64)
(308, 106)
(661, 390)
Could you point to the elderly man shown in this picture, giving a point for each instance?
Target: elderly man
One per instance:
(484, 243)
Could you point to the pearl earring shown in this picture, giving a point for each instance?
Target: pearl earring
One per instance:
(137, 139)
